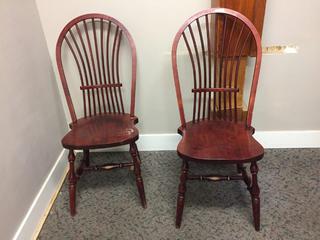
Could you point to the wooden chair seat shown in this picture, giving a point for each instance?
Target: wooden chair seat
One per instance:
(218, 140)
(102, 131)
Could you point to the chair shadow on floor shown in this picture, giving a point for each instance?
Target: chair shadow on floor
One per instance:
(217, 196)
(106, 180)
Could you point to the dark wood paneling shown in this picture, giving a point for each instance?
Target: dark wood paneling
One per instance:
(254, 10)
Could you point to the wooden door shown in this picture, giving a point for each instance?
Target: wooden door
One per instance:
(254, 10)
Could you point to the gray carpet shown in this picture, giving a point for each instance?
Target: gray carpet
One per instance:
(108, 205)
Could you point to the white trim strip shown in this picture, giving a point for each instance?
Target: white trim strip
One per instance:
(29, 224)
(288, 139)
(268, 139)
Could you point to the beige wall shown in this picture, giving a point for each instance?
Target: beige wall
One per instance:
(287, 97)
(32, 119)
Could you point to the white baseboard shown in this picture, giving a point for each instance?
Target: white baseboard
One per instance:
(147, 142)
(268, 139)
(38, 210)
(289, 139)
(158, 142)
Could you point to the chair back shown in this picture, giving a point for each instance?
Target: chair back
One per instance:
(216, 40)
(94, 41)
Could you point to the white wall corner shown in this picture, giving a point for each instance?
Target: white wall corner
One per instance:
(37, 213)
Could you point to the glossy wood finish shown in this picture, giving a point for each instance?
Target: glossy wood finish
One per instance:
(218, 131)
(220, 141)
(181, 192)
(255, 195)
(94, 42)
(72, 183)
(102, 131)
(137, 171)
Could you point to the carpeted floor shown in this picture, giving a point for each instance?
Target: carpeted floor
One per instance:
(108, 205)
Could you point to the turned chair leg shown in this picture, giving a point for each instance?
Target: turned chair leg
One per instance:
(239, 166)
(137, 171)
(255, 192)
(85, 161)
(181, 193)
(86, 158)
(72, 183)
(246, 178)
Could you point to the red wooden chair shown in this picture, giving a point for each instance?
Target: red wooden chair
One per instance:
(219, 132)
(94, 41)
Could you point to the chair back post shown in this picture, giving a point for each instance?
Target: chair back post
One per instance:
(225, 56)
(133, 73)
(64, 81)
(176, 79)
(256, 72)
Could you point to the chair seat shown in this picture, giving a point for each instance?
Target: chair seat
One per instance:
(102, 131)
(220, 141)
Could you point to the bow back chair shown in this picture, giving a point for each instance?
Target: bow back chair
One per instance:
(218, 131)
(93, 41)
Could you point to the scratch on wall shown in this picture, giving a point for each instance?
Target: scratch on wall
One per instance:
(280, 49)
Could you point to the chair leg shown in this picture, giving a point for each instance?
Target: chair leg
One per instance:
(239, 168)
(72, 183)
(255, 192)
(137, 171)
(85, 161)
(246, 178)
(86, 157)
(181, 193)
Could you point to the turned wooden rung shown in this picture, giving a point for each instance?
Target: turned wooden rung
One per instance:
(101, 86)
(214, 178)
(107, 167)
(215, 90)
